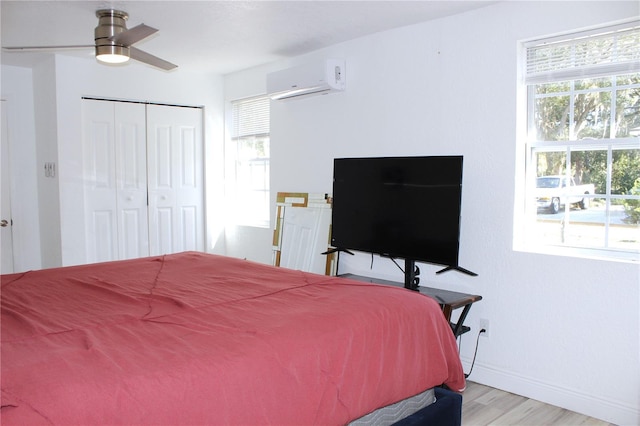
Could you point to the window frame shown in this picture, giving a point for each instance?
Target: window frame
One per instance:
(245, 129)
(534, 146)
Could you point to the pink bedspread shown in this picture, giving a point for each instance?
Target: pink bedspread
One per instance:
(193, 338)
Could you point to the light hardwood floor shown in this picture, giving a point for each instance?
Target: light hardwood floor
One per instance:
(483, 405)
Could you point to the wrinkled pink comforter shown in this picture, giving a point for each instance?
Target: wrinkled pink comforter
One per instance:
(195, 338)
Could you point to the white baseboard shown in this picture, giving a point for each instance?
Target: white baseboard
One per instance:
(601, 407)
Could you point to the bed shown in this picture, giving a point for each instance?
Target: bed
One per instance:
(195, 338)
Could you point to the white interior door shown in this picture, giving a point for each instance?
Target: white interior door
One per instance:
(6, 233)
(305, 238)
(175, 179)
(114, 149)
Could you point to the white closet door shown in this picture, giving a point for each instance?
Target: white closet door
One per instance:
(131, 176)
(115, 180)
(175, 179)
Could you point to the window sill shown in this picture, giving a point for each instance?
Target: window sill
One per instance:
(262, 225)
(582, 253)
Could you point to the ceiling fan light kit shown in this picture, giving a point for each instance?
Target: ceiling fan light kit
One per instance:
(112, 54)
(110, 24)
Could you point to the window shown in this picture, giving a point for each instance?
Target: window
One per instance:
(250, 161)
(583, 142)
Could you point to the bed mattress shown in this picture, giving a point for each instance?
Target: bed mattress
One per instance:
(395, 412)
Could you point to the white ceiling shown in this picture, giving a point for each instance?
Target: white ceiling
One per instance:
(215, 36)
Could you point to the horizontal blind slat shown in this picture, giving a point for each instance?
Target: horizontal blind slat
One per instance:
(250, 117)
(580, 56)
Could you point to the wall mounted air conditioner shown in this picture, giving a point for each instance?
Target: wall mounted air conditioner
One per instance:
(312, 79)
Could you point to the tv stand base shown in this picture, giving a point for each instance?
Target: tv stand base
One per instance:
(457, 268)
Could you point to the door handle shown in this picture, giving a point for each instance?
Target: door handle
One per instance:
(4, 223)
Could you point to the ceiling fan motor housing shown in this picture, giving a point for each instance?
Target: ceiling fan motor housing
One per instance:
(110, 23)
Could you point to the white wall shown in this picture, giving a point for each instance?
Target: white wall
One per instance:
(59, 83)
(563, 330)
(45, 120)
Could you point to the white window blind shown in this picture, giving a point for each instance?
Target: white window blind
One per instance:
(250, 117)
(248, 161)
(613, 50)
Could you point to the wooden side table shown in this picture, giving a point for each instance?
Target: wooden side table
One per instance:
(451, 300)
(448, 300)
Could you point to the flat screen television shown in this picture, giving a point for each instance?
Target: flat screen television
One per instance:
(400, 207)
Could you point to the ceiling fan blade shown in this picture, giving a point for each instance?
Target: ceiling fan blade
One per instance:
(133, 35)
(148, 58)
(41, 48)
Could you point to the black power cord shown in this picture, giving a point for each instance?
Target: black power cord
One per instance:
(475, 352)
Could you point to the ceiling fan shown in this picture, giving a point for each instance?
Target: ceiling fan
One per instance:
(113, 41)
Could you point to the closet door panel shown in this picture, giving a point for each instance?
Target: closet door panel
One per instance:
(189, 167)
(161, 191)
(176, 184)
(162, 163)
(190, 229)
(99, 181)
(163, 240)
(104, 236)
(131, 171)
(189, 196)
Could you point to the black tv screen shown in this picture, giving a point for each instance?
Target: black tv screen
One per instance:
(405, 207)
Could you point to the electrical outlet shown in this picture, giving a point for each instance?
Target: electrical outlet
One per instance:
(484, 324)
